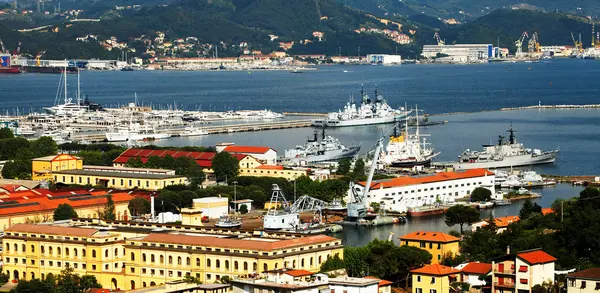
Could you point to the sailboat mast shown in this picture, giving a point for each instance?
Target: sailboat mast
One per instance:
(65, 77)
(78, 89)
(417, 124)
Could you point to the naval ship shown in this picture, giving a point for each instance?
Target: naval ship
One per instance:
(369, 112)
(327, 149)
(504, 154)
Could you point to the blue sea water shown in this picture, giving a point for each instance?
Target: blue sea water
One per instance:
(436, 88)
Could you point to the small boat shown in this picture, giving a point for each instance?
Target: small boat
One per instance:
(485, 205)
(127, 69)
(228, 222)
(522, 191)
(502, 202)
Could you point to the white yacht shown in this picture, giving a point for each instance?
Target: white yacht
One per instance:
(134, 132)
(68, 107)
(193, 131)
(369, 112)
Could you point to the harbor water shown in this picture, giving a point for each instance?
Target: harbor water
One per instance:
(437, 89)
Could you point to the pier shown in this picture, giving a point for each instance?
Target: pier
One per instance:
(257, 126)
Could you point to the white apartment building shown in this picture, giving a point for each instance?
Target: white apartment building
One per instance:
(400, 194)
(521, 271)
(586, 281)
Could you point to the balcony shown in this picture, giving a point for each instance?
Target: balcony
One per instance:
(504, 285)
(505, 271)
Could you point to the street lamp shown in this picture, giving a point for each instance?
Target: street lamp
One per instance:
(294, 189)
(235, 197)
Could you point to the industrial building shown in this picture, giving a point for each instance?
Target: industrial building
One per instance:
(401, 193)
(459, 53)
(384, 59)
(131, 255)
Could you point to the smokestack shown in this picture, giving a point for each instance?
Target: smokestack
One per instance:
(152, 206)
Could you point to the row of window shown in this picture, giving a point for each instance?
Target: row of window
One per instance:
(573, 283)
(437, 188)
(432, 279)
(59, 251)
(161, 260)
(113, 181)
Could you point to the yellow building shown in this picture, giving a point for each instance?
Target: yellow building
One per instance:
(128, 258)
(433, 279)
(437, 243)
(272, 171)
(42, 168)
(117, 179)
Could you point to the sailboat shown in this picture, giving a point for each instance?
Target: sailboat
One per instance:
(408, 150)
(67, 107)
(134, 132)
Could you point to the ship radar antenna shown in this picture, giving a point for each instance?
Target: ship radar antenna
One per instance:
(511, 132)
(323, 133)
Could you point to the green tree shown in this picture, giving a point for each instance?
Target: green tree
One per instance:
(139, 206)
(43, 146)
(528, 209)
(243, 209)
(195, 175)
(225, 280)
(69, 282)
(191, 279)
(359, 167)
(376, 206)
(225, 166)
(481, 194)
(88, 282)
(332, 264)
(154, 162)
(64, 212)
(134, 162)
(33, 286)
(109, 209)
(460, 215)
(5, 132)
(343, 167)
(17, 169)
(538, 289)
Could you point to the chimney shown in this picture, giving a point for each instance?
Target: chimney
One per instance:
(508, 249)
(152, 206)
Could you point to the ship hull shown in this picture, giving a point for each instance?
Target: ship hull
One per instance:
(10, 70)
(427, 212)
(410, 164)
(356, 122)
(330, 155)
(48, 69)
(516, 161)
(114, 137)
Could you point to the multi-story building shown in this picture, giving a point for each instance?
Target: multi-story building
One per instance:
(433, 279)
(519, 272)
(438, 244)
(586, 281)
(38, 205)
(401, 193)
(129, 255)
(42, 168)
(474, 273)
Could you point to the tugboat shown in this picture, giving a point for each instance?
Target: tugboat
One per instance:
(228, 222)
(503, 155)
(328, 149)
(408, 150)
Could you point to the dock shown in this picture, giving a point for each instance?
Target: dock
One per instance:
(258, 126)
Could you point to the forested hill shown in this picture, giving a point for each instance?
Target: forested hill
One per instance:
(508, 25)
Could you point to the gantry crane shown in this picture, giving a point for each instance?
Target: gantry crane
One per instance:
(358, 208)
(578, 51)
(519, 44)
(438, 39)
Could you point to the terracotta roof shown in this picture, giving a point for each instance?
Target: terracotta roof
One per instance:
(203, 159)
(477, 268)
(546, 211)
(429, 236)
(298, 273)
(44, 200)
(53, 157)
(593, 274)
(54, 230)
(247, 149)
(503, 222)
(238, 243)
(11, 187)
(536, 257)
(438, 177)
(435, 270)
(382, 283)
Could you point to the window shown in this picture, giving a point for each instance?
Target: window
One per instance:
(197, 261)
(423, 245)
(523, 281)
(93, 267)
(66, 251)
(32, 248)
(152, 259)
(265, 267)
(83, 252)
(245, 266)
(144, 271)
(188, 261)
(218, 263)
(132, 270)
(106, 253)
(94, 253)
(523, 269)
(226, 264)
(58, 250)
(170, 260)
(418, 290)
(439, 246)
(432, 291)
(179, 274)
(418, 278)
(162, 259)
(49, 249)
(75, 251)
(582, 285)
(597, 286)
(179, 260)
(235, 265)
(132, 256)
(432, 280)
(143, 257)
(430, 245)
(116, 252)
(572, 282)
(207, 262)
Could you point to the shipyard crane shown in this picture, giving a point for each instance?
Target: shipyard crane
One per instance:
(38, 58)
(358, 209)
(3, 48)
(288, 217)
(439, 40)
(533, 45)
(519, 44)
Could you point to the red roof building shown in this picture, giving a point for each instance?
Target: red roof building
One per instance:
(522, 270)
(203, 159)
(477, 268)
(536, 257)
(265, 155)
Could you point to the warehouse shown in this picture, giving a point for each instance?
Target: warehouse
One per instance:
(459, 53)
(384, 59)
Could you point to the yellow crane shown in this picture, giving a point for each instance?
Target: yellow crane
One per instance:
(578, 45)
(439, 40)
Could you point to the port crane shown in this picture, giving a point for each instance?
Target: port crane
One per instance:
(3, 48)
(358, 208)
(533, 45)
(288, 217)
(578, 46)
(519, 44)
(438, 39)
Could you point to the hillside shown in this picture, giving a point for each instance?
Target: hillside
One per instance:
(508, 25)
(225, 22)
(471, 9)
